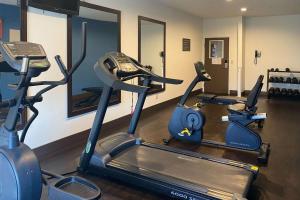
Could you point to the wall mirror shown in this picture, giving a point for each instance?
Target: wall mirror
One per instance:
(152, 49)
(103, 35)
(13, 20)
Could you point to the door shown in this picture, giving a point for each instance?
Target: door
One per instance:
(217, 65)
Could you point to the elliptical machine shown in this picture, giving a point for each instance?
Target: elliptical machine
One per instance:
(21, 176)
(187, 123)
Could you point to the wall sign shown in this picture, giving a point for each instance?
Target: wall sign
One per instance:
(186, 44)
(216, 51)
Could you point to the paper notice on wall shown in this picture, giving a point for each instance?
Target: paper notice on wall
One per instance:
(216, 61)
(14, 35)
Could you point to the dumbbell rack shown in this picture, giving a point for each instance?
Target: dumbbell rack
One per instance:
(284, 84)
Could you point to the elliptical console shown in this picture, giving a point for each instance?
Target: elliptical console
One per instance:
(21, 175)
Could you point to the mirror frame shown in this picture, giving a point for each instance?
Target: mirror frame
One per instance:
(140, 19)
(23, 30)
(71, 111)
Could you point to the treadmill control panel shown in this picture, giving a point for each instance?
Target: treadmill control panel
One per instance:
(121, 65)
(14, 52)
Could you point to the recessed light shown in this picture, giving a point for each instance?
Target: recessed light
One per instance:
(229, 0)
(244, 9)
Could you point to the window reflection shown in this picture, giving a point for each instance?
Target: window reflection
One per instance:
(152, 49)
(103, 32)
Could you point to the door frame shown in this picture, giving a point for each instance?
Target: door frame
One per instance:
(229, 60)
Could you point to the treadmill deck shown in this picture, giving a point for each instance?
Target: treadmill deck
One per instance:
(196, 174)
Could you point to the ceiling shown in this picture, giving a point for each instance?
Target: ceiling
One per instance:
(224, 8)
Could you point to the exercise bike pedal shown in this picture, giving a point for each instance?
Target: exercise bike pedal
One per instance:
(263, 156)
(260, 124)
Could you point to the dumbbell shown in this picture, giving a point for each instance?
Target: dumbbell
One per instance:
(290, 92)
(272, 69)
(281, 79)
(295, 81)
(272, 79)
(287, 69)
(277, 91)
(271, 91)
(289, 80)
(277, 70)
(296, 93)
(284, 92)
(276, 80)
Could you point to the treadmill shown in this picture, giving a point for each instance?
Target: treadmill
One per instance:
(175, 173)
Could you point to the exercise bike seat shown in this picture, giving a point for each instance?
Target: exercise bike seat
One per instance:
(237, 107)
(220, 100)
(236, 103)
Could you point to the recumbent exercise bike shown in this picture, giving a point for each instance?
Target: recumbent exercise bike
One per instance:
(187, 123)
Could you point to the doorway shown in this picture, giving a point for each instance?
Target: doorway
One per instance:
(217, 65)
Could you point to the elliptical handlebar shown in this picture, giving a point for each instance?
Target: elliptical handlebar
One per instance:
(54, 84)
(23, 72)
(63, 67)
(83, 49)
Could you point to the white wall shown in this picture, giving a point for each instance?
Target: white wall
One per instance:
(50, 30)
(278, 37)
(226, 27)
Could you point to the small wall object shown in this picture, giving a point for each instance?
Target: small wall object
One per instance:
(186, 44)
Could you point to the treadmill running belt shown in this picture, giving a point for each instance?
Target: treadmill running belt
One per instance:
(192, 170)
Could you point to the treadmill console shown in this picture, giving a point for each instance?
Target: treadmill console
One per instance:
(201, 71)
(14, 52)
(121, 65)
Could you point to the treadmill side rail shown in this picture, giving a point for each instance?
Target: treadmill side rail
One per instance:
(252, 168)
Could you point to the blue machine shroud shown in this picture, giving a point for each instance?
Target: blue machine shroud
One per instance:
(187, 118)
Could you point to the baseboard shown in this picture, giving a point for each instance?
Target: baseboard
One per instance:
(246, 93)
(79, 139)
(262, 94)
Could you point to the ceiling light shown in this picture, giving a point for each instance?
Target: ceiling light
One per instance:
(244, 9)
(229, 0)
